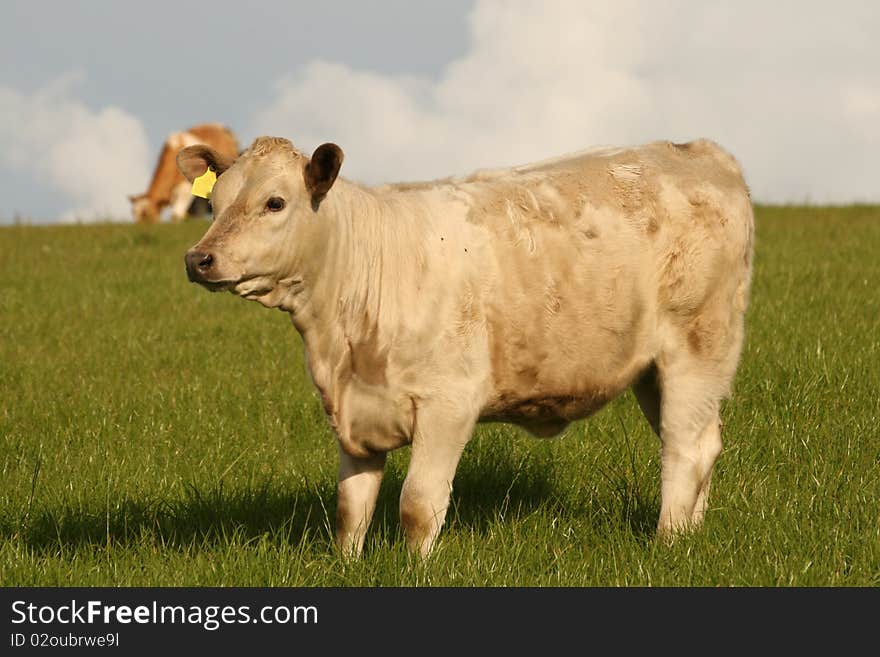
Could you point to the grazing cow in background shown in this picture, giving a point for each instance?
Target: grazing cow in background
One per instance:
(530, 295)
(168, 187)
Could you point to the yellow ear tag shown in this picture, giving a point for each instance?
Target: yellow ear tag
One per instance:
(203, 185)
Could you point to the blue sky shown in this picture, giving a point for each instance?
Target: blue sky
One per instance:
(89, 90)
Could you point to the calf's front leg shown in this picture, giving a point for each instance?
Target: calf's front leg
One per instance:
(357, 488)
(181, 199)
(437, 445)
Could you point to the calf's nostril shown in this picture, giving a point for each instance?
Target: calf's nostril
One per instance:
(199, 265)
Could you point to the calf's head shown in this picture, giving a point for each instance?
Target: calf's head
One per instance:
(143, 208)
(266, 206)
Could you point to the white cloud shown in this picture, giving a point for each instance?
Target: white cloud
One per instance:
(790, 88)
(93, 158)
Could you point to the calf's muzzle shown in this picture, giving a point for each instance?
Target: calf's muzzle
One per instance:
(198, 265)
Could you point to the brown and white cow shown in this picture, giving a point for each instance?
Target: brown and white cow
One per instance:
(530, 295)
(168, 186)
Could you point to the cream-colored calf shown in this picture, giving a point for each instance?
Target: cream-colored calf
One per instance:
(530, 295)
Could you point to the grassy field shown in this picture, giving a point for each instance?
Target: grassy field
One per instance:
(154, 434)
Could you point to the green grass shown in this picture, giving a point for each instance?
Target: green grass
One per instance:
(154, 434)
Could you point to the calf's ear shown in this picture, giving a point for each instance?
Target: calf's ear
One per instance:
(321, 171)
(193, 161)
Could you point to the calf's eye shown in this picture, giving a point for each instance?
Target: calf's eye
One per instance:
(275, 204)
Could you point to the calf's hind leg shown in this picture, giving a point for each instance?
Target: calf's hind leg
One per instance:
(695, 371)
(691, 441)
(708, 442)
(710, 447)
